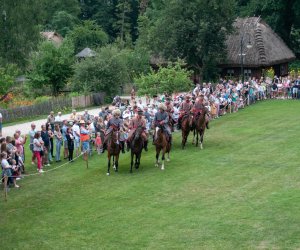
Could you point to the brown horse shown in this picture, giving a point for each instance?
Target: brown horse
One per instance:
(199, 127)
(161, 145)
(185, 129)
(136, 146)
(113, 150)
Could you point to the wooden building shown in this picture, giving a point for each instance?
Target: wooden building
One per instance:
(266, 50)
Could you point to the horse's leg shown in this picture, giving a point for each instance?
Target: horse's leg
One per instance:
(117, 163)
(132, 155)
(197, 139)
(195, 132)
(137, 160)
(114, 163)
(163, 159)
(201, 138)
(108, 165)
(183, 138)
(157, 155)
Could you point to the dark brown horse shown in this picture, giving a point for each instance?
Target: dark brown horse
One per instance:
(136, 147)
(162, 145)
(185, 129)
(113, 150)
(199, 127)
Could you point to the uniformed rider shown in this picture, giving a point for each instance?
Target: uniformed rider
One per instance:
(161, 118)
(114, 123)
(198, 107)
(138, 121)
(184, 109)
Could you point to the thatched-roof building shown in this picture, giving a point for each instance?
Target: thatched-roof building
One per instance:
(87, 52)
(267, 50)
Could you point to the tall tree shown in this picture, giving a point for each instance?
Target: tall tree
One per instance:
(193, 30)
(89, 34)
(51, 66)
(19, 30)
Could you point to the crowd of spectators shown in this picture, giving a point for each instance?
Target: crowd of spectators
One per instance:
(85, 133)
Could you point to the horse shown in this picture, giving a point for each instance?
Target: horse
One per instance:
(113, 150)
(161, 144)
(199, 127)
(136, 147)
(185, 129)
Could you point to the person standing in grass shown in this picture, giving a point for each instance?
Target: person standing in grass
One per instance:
(85, 139)
(70, 142)
(31, 138)
(76, 135)
(64, 133)
(38, 145)
(46, 140)
(7, 170)
(51, 120)
(58, 142)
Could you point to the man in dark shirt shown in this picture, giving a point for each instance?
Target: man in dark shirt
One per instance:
(46, 140)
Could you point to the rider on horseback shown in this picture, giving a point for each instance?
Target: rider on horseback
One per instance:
(170, 111)
(138, 121)
(114, 123)
(162, 119)
(199, 107)
(184, 109)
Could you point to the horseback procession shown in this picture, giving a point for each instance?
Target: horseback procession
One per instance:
(129, 127)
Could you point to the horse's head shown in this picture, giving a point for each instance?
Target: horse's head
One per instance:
(158, 129)
(138, 132)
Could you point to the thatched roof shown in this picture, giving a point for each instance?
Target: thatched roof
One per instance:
(52, 36)
(268, 48)
(87, 52)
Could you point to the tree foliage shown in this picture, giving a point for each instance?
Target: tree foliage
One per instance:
(89, 34)
(193, 30)
(170, 79)
(19, 30)
(63, 22)
(51, 66)
(8, 75)
(108, 70)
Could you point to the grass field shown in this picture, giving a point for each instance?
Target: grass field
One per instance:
(241, 192)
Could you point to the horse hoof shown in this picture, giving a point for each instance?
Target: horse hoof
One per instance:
(107, 174)
(156, 165)
(168, 160)
(162, 168)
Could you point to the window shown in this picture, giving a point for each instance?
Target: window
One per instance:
(247, 73)
(230, 72)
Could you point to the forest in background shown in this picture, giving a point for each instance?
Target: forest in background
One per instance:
(125, 34)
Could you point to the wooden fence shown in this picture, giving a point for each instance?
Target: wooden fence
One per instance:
(55, 104)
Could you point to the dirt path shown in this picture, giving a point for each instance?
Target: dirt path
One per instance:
(25, 127)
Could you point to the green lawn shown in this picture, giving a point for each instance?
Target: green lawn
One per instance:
(241, 192)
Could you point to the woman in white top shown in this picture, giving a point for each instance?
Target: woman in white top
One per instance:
(38, 150)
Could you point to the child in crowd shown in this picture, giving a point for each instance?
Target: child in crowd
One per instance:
(98, 143)
(7, 171)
